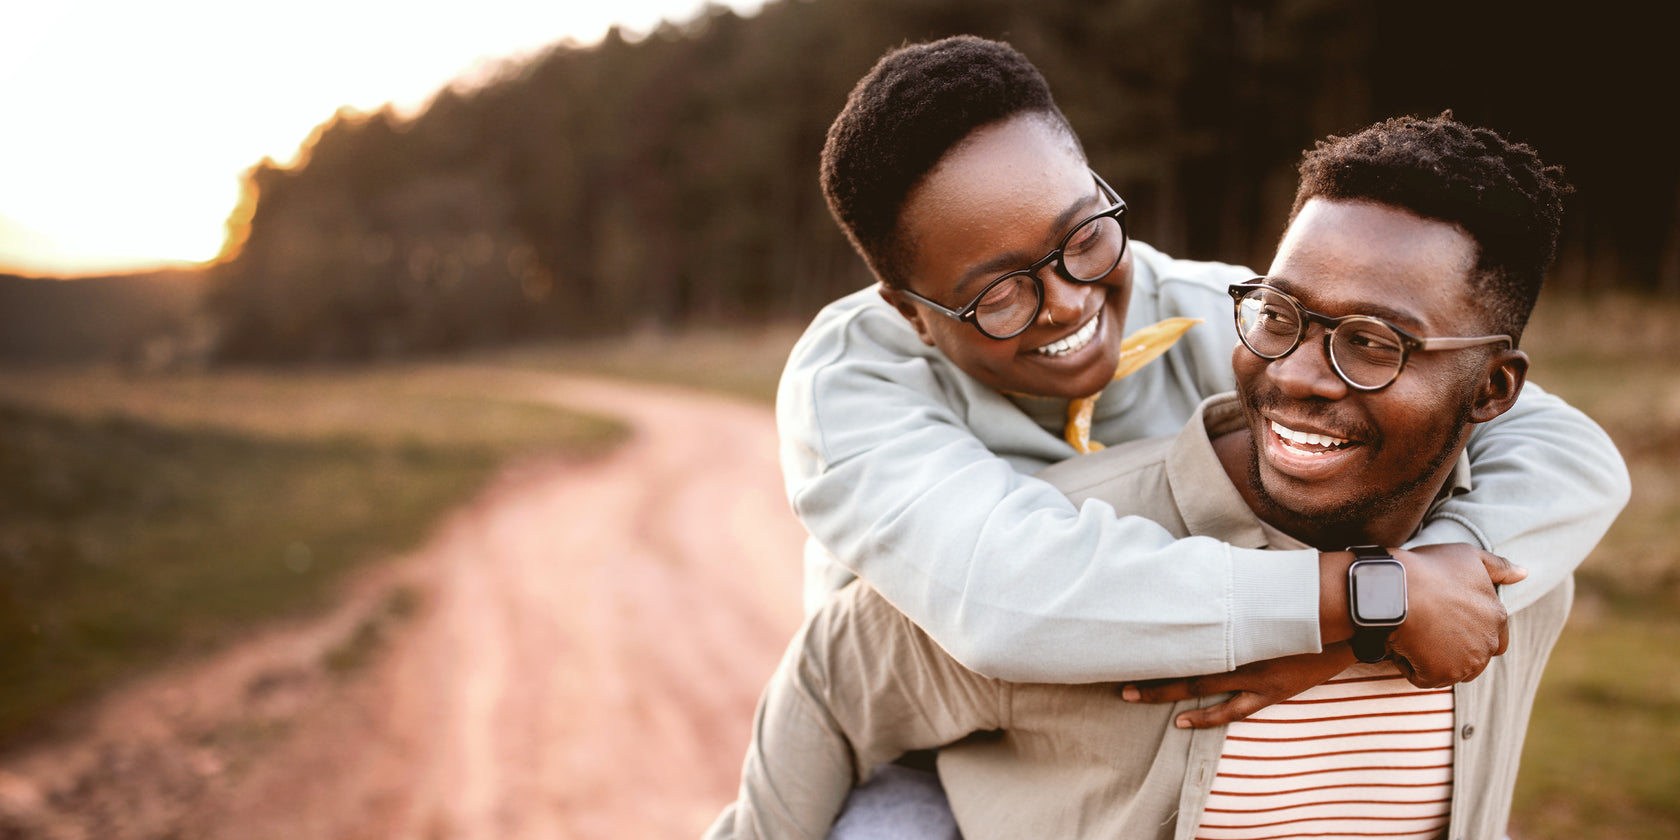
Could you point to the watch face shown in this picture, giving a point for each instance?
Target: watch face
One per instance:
(1379, 592)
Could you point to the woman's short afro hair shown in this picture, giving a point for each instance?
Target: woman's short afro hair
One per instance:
(1499, 192)
(903, 116)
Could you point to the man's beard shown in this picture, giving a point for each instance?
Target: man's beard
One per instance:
(1345, 523)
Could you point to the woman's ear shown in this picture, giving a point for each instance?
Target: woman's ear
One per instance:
(910, 311)
(1506, 371)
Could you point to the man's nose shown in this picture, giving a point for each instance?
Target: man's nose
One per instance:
(1308, 371)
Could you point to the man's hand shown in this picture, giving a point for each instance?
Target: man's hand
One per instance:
(1256, 686)
(1455, 622)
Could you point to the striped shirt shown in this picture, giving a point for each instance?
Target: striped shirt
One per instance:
(1363, 755)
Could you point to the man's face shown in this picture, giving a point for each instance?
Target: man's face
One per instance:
(1001, 199)
(1385, 447)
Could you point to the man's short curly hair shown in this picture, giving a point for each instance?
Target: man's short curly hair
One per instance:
(901, 119)
(1499, 192)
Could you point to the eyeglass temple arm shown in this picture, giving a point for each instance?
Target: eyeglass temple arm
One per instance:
(1446, 343)
(935, 305)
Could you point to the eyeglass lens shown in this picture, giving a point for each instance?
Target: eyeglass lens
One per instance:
(1366, 352)
(1088, 254)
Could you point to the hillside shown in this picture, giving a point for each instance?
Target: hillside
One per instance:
(96, 318)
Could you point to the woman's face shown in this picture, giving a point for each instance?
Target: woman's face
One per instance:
(999, 200)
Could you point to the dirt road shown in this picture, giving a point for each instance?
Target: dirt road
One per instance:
(583, 661)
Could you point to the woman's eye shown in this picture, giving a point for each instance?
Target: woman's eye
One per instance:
(999, 295)
(1083, 239)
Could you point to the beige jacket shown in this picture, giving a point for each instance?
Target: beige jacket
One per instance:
(862, 684)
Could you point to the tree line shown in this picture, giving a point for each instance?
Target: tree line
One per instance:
(672, 179)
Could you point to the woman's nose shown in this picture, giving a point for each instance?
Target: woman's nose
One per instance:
(1064, 302)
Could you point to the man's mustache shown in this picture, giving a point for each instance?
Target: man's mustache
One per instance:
(1327, 414)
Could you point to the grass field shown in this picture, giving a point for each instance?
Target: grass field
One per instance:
(148, 518)
(742, 363)
(1603, 754)
(156, 517)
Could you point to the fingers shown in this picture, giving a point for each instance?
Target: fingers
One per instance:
(1251, 688)
(1405, 666)
(1437, 679)
(1415, 676)
(1502, 571)
(1168, 691)
(1456, 555)
(1241, 705)
(1418, 678)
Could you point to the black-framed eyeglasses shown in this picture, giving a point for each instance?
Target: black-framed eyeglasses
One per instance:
(1009, 304)
(1367, 352)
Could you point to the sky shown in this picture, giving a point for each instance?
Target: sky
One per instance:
(127, 125)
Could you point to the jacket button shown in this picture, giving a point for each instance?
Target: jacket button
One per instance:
(1467, 731)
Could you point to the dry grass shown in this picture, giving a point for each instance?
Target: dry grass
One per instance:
(413, 405)
(743, 362)
(1618, 359)
(143, 518)
(1603, 755)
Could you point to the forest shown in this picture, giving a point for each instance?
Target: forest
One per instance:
(670, 179)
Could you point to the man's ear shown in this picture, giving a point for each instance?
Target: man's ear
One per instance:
(910, 311)
(1506, 372)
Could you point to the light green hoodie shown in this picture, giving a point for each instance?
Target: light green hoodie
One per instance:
(909, 473)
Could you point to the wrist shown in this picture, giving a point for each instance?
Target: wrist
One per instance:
(1334, 622)
(1341, 653)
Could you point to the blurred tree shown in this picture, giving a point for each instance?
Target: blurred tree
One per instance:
(672, 179)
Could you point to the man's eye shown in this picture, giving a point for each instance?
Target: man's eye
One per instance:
(1373, 341)
(1276, 319)
(1370, 347)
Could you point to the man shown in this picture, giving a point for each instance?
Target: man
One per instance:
(1385, 330)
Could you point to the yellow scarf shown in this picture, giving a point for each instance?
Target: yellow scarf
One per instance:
(1138, 349)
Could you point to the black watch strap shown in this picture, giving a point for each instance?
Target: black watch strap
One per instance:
(1370, 552)
(1370, 644)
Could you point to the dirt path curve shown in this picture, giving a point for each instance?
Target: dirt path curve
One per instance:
(591, 640)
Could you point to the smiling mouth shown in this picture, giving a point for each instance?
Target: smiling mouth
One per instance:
(1078, 340)
(1308, 443)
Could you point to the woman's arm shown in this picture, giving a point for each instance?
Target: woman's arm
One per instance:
(913, 479)
(1547, 484)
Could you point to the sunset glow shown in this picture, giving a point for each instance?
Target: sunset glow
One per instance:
(128, 125)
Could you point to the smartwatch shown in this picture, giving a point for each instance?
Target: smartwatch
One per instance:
(1376, 600)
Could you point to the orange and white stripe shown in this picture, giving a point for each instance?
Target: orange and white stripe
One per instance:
(1363, 755)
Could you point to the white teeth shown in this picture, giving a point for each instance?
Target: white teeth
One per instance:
(1073, 342)
(1306, 438)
